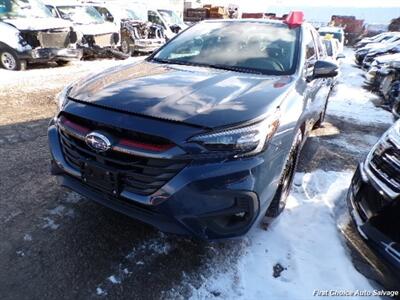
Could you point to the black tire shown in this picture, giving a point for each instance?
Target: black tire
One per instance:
(279, 201)
(62, 63)
(126, 46)
(321, 119)
(9, 60)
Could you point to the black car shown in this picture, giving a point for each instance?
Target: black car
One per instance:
(374, 199)
(202, 137)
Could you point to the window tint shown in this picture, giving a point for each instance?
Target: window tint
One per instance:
(154, 18)
(310, 47)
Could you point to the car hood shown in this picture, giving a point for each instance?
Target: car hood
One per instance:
(194, 95)
(38, 23)
(96, 29)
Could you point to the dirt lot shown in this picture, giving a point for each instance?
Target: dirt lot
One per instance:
(56, 245)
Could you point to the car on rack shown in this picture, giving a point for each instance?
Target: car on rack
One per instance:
(379, 38)
(95, 36)
(29, 34)
(361, 53)
(202, 137)
(373, 199)
(136, 35)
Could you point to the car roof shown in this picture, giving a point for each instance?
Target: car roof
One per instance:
(263, 21)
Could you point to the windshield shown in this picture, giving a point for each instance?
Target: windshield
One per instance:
(336, 35)
(170, 17)
(81, 14)
(23, 9)
(134, 15)
(264, 48)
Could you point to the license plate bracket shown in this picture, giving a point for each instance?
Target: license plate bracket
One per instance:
(100, 178)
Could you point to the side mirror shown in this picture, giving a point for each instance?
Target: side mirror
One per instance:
(340, 56)
(109, 18)
(325, 69)
(175, 28)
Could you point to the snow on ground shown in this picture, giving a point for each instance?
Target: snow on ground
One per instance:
(302, 252)
(304, 241)
(351, 101)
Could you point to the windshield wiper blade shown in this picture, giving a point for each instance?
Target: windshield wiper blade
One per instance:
(235, 68)
(214, 66)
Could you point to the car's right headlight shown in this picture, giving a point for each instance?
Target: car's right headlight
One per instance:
(242, 140)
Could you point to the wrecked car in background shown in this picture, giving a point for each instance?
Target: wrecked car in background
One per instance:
(373, 199)
(136, 34)
(96, 37)
(29, 34)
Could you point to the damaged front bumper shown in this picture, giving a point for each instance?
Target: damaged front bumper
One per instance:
(371, 209)
(147, 45)
(52, 54)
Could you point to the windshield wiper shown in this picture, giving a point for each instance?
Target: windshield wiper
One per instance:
(234, 68)
(214, 66)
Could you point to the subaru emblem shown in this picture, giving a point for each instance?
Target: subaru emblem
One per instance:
(97, 141)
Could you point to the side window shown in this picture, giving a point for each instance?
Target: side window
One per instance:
(154, 18)
(310, 47)
(52, 10)
(318, 43)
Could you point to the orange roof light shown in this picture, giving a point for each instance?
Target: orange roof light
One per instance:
(294, 19)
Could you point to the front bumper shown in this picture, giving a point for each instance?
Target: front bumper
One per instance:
(147, 45)
(367, 204)
(53, 54)
(211, 201)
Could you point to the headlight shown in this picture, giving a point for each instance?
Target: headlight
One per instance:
(242, 141)
(21, 40)
(62, 97)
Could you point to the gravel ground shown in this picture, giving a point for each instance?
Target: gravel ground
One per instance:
(54, 244)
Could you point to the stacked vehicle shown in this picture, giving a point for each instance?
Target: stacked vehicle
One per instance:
(137, 34)
(380, 57)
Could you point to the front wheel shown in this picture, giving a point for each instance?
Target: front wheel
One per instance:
(9, 60)
(279, 201)
(126, 47)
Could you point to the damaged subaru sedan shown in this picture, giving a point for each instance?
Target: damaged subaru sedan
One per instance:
(201, 138)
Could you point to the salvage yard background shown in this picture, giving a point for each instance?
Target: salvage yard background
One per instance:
(54, 244)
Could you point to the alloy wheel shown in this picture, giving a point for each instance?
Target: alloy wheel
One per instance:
(8, 61)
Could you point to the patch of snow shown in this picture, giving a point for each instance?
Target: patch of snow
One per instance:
(303, 246)
(57, 210)
(100, 291)
(73, 198)
(113, 279)
(20, 253)
(27, 237)
(50, 224)
(140, 262)
(351, 101)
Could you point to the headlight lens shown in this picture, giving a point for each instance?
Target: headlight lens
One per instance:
(243, 141)
(62, 97)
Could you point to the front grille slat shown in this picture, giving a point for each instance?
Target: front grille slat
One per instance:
(386, 166)
(140, 175)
